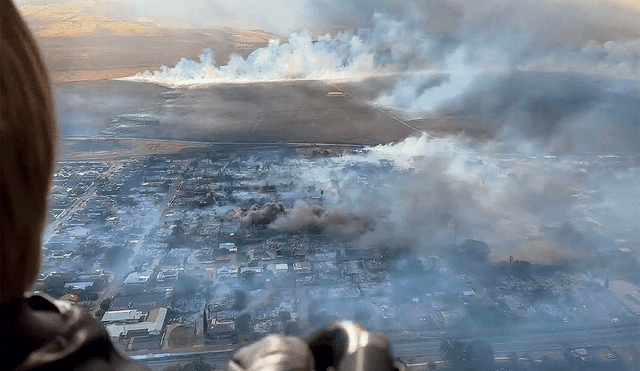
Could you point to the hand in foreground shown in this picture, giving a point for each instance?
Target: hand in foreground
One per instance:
(343, 346)
(274, 353)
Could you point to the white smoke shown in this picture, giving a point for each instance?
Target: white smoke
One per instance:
(389, 47)
(432, 71)
(428, 92)
(619, 59)
(343, 57)
(474, 67)
(515, 199)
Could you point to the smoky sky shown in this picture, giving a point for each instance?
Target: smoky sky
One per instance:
(565, 112)
(544, 20)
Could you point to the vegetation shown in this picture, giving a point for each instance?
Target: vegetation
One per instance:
(239, 300)
(182, 337)
(473, 356)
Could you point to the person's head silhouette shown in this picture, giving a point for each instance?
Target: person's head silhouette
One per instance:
(36, 332)
(27, 146)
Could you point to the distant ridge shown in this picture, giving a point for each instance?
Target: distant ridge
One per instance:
(80, 18)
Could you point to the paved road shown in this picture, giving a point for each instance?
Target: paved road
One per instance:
(392, 117)
(121, 272)
(80, 202)
(211, 143)
(427, 342)
(158, 361)
(166, 201)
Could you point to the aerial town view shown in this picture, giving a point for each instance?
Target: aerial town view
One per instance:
(470, 189)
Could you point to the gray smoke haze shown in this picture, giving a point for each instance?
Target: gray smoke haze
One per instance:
(265, 215)
(563, 75)
(561, 112)
(314, 218)
(544, 20)
(537, 207)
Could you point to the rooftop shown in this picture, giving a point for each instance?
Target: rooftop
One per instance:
(153, 325)
(138, 278)
(131, 315)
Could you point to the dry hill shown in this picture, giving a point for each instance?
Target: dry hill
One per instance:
(81, 43)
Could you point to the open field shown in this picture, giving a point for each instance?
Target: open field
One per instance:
(182, 337)
(300, 111)
(83, 43)
(90, 58)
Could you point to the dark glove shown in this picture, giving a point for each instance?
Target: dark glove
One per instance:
(344, 346)
(274, 353)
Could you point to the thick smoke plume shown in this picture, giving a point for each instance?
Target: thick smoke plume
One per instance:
(299, 58)
(532, 205)
(314, 218)
(553, 73)
(260, 216)
(543, 79)
(458, 37)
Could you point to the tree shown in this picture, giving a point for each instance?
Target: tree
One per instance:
(475, 250)
(239, 300)
(88, 295)
(480, 355)
(196, 365)
(106, 304)
(453, 351)
(284, 316)
(87, 248)
(521, 269)
(244, 324)
(292, 329)
(115, 255)
(185, 286)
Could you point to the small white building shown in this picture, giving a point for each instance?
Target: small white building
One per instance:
(138, 278)
(469, 292)
(122, 316)
(302, 267)
(278, 268)
(233, 270)
(78, 285)
(168, 275)
(250, 269)
(153, 325)
(228, 246)
(335, 93)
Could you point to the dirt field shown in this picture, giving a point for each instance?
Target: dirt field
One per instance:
(255, 113)
(90, 58)
(182, 337)
(81, 43)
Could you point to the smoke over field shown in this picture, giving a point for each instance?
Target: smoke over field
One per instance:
(526, 72)
(424, 192)
(542, 83)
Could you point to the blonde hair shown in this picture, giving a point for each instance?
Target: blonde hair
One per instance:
(27, 147)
